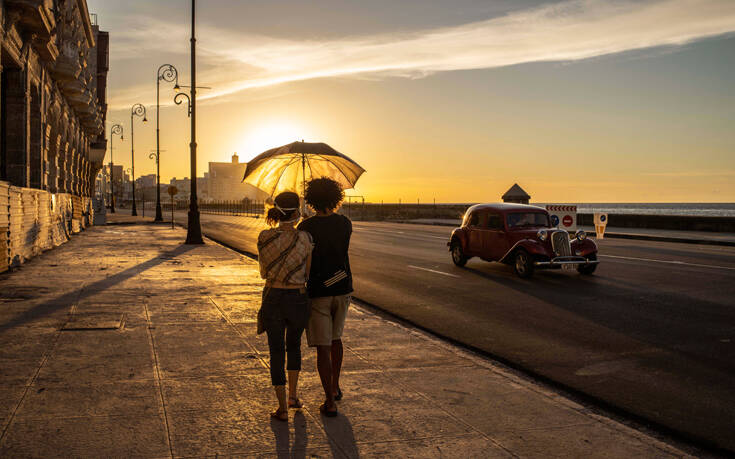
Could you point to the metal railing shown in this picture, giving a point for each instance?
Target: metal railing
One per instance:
(240, 208)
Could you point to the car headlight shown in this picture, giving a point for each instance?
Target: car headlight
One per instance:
(542, 235)
(581, 235)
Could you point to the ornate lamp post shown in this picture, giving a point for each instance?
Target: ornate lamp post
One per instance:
(193, 229)
(136, 110)
(117, 129)
(166, 72)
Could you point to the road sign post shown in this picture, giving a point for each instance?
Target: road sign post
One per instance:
(563, 217)
(172, 190)
(600, 224)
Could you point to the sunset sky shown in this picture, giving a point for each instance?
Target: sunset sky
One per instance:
(577, 101)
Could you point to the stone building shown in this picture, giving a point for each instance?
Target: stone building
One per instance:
(53, 103)
(225, 182)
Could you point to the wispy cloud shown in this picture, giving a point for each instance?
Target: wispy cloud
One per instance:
(567, 31)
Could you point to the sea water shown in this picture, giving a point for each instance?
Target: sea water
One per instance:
(679, 209)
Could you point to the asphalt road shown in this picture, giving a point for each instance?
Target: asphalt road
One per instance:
(651, 333)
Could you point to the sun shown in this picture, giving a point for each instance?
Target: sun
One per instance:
(268, 135)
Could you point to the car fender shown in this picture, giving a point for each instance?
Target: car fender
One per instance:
(459, 234)
(583, 247)
(529, 245)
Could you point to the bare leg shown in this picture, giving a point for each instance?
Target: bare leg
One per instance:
(324, 365)
(282, 405)
(337, 352)
(293, 383)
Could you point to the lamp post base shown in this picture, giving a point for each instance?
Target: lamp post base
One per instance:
(135, 211)
(194, 229)
(159, 213)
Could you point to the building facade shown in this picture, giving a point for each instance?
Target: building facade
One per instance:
(53, 96)
(225, 183)
(53, 104)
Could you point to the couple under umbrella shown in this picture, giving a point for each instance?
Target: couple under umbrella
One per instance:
(306, 267)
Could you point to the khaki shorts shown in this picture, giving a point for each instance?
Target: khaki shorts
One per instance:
(327, 319)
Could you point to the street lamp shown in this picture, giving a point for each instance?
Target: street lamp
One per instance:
(136, 110)
(193, 228)
(166, 72)
(117, 129)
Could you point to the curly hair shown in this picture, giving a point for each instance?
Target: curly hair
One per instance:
(324, 194)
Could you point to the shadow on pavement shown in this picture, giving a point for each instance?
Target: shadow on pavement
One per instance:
(281, 432)
(68, 299)
(341, 437)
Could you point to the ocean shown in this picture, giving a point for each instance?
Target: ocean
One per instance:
(669, 208)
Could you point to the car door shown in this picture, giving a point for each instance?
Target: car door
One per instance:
(478, 220)
(495, 242)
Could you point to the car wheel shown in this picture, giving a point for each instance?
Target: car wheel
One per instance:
(458, 256)
(523, 264)
(588, 269)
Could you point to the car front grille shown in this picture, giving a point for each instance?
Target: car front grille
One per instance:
(560, 243)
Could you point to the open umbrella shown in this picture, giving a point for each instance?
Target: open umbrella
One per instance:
(289, 167)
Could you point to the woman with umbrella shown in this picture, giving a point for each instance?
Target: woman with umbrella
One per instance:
(284, 255)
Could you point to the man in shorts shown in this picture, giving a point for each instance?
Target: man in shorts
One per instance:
(329, 284)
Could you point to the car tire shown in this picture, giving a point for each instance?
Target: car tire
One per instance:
(523, 264)
(588, 269)
(458, 256)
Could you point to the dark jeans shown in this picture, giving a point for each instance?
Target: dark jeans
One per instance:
(285, 312)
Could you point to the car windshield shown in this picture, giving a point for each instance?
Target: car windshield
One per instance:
(527, 220)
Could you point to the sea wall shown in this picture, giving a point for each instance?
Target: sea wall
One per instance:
(381, 212)
(665, 222)
(32, 221)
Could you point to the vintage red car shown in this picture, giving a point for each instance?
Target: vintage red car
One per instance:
(522, 236)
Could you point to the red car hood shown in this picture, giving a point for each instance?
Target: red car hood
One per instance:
(527, 233)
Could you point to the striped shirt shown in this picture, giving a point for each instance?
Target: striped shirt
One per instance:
(282, 255)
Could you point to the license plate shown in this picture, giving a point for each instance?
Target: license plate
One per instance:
(568, 267)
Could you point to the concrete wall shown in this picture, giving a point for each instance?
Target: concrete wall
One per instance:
(32, 221)
(665, 222)
(379, 212)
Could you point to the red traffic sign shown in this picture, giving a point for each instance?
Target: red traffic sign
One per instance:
(568, 220)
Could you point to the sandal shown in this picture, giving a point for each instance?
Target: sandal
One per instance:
(294, 402)
(280, 415)
(328, 413)
(338, 395)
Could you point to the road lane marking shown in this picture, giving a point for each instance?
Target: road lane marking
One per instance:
(418, 235)
(671, 262)
(433, 271)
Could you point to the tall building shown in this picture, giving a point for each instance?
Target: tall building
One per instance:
(225, 183)
(53, 104)
(54, 84)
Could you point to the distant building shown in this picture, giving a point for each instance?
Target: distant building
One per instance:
(516, 195)
(183, 187)
(146, 181)
(224, 182)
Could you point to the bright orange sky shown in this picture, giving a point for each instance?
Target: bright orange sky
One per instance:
(603, 103)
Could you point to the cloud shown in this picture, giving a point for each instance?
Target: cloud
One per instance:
(567, 31)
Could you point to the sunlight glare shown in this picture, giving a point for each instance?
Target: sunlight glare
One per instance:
(270, 135)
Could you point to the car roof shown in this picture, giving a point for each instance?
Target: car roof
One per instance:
(506, 207)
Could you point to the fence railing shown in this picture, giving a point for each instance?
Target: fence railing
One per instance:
(242, 208)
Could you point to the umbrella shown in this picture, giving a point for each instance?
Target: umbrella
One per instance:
(289, 167)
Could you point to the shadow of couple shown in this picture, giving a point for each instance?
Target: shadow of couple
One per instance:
(338, 429)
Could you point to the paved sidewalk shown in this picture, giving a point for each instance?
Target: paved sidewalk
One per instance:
(124, 343)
